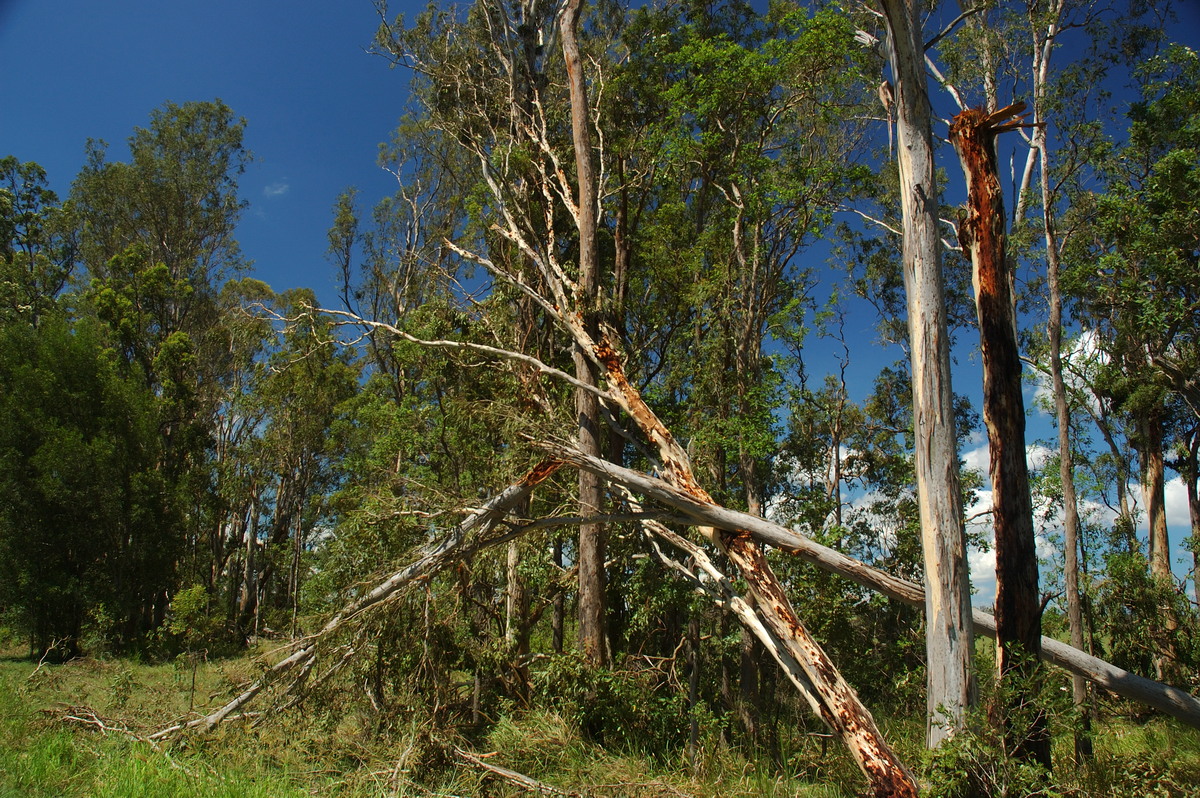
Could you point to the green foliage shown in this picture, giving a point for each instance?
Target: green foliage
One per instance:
(980, 761)
(1144, 619)
(36, 252)
(84, 522)
(192, 619)
(974, 764)
(176, 197)
(628, 710)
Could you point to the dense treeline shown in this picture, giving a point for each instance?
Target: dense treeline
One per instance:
(189, 460)
(149, 448)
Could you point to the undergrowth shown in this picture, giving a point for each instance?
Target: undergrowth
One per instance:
(52, 744)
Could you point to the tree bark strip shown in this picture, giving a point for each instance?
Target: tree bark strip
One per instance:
(951, 687)
(1018, 604)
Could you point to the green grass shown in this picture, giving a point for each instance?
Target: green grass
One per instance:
(345, 750)
(43, 755)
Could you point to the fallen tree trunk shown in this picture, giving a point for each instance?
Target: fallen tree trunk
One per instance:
(1169, 700)
(438, 556)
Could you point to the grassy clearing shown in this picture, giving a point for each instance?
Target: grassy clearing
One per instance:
(350, 753)
(326, 753)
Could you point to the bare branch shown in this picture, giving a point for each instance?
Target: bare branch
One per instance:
(512, 776)
(502, 354)
(946, 31)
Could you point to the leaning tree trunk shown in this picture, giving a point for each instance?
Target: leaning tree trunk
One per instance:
(818, 679)
(951, 688)
(591, 491)
(1018, 606)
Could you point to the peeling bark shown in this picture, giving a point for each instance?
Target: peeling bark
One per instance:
(983, 234)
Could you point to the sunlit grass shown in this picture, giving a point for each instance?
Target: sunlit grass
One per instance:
(341, 749)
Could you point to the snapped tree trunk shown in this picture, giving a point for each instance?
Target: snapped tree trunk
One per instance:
(807, 664)
(951, 686)
(1018, 604)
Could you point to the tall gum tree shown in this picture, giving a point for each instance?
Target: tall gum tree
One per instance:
(948, 635)
(592, 636)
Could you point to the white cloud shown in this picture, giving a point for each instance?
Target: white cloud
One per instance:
(1178, 517)
(1084, 356)
(983, 576)
(1037, 456)
(977, 459)
(276, 189)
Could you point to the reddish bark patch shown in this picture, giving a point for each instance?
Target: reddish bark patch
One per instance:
(540, 472)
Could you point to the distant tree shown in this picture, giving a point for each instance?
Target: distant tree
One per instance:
(85, 522)
(36, 251)
(156, 243)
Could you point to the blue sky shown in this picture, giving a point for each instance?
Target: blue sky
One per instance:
(316, 103)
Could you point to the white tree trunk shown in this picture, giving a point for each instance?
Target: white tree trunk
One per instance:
(951, 687)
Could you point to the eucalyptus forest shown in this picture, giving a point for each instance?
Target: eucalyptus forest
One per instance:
(575, 488)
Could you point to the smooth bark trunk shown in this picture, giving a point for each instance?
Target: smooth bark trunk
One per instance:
(1066, 460)
(1150, 434)
(951, 686)
(1191, 476)
(1154, 492)
(516, 617)
(592, 632)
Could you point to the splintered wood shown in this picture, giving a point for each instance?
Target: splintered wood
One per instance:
(982, 232)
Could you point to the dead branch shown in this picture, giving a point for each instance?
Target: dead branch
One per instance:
(436, 557)
(511, 776)
(89, 718)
